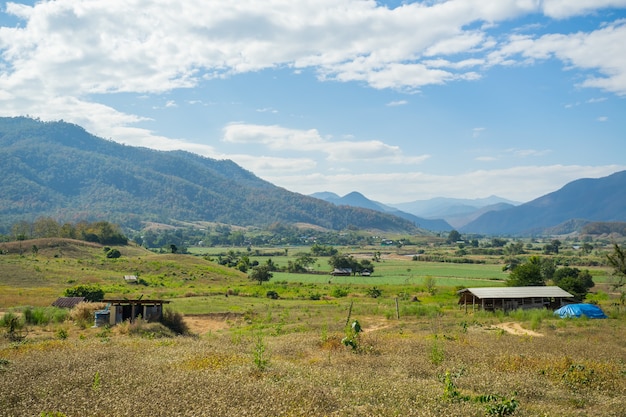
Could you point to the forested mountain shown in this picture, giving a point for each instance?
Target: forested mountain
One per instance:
(59, 170)
(357, 199)
(584, 200)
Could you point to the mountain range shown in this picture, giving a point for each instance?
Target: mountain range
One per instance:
(58, 169)
(582, 201)
(566, 210)
(357, 199)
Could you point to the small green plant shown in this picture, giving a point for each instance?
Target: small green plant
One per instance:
(497, 405)
(352, 335)
(431, 284)
(4, 363)
(436, 354)
(450, 390)
(260, 359)
(97, 381)
(62, 334)
(374, 292)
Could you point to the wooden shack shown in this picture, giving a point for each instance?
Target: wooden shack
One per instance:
(512, 298)
(122, 310)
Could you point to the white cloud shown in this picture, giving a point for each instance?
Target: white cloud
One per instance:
(397, 103)
(602, 119)
(477, 131)
(602, 50)
(67, 50)
(562, 9)
(278, 138)
(523, 153)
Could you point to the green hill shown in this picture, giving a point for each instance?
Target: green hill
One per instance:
(29, 277)
(59, 170)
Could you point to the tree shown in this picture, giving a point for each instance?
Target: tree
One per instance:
(527, 274)
(453, 236)
(46, 227)
(574, 281)
(261, 274)
(552, 247)
(91, 292)
(617, 260)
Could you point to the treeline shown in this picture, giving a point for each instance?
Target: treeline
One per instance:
(46, 227)
(604, 228)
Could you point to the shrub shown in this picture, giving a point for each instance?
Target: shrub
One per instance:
(175, 321)
(143, 328)
(339, 292)
(13, 325)
(113, 254)
(374, 292)
(44, 315)
(91, 292)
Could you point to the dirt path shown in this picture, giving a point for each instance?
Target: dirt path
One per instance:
(517, 329)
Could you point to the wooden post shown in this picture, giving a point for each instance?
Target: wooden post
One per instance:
(397, 309)
(349, 312)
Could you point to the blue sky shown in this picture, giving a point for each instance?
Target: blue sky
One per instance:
(400, 101)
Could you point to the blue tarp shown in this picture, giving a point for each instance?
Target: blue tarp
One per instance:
(576, 310)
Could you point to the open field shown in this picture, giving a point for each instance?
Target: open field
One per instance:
(250, 355)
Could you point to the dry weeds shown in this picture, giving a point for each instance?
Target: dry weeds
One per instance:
(96, 372)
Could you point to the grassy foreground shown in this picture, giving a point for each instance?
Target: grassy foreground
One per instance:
(249, 355)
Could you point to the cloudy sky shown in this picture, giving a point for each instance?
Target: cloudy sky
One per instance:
(399, 100)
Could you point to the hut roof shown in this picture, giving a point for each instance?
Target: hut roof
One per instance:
(68, 302)
(518, 292)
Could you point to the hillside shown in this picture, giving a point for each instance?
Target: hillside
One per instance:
(58, 169)
(584, 200)
(356, 199)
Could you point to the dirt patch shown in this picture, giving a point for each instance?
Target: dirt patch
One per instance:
(204, 323)
(516, 329)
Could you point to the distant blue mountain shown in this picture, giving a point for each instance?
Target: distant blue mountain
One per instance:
(456, 211)
(356, 199)
(598, 200)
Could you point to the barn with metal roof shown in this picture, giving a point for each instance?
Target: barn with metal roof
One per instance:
(512, 298)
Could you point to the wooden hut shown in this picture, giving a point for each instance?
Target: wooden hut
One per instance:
(122, 310)
(512, 298)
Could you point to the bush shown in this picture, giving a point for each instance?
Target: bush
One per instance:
(91, 292)
(339, 292)
(113, 254)
(175, 322)
(13, 325)
(44, 315)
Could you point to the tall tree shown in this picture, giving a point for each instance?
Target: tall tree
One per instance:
(617, 260)
(533, 272)
(260, 274)
(574, 281)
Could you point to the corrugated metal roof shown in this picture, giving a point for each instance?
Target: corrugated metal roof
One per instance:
(517, 292)
(68, 302)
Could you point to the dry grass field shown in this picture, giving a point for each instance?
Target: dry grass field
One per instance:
(413, 367)
(252, 356)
